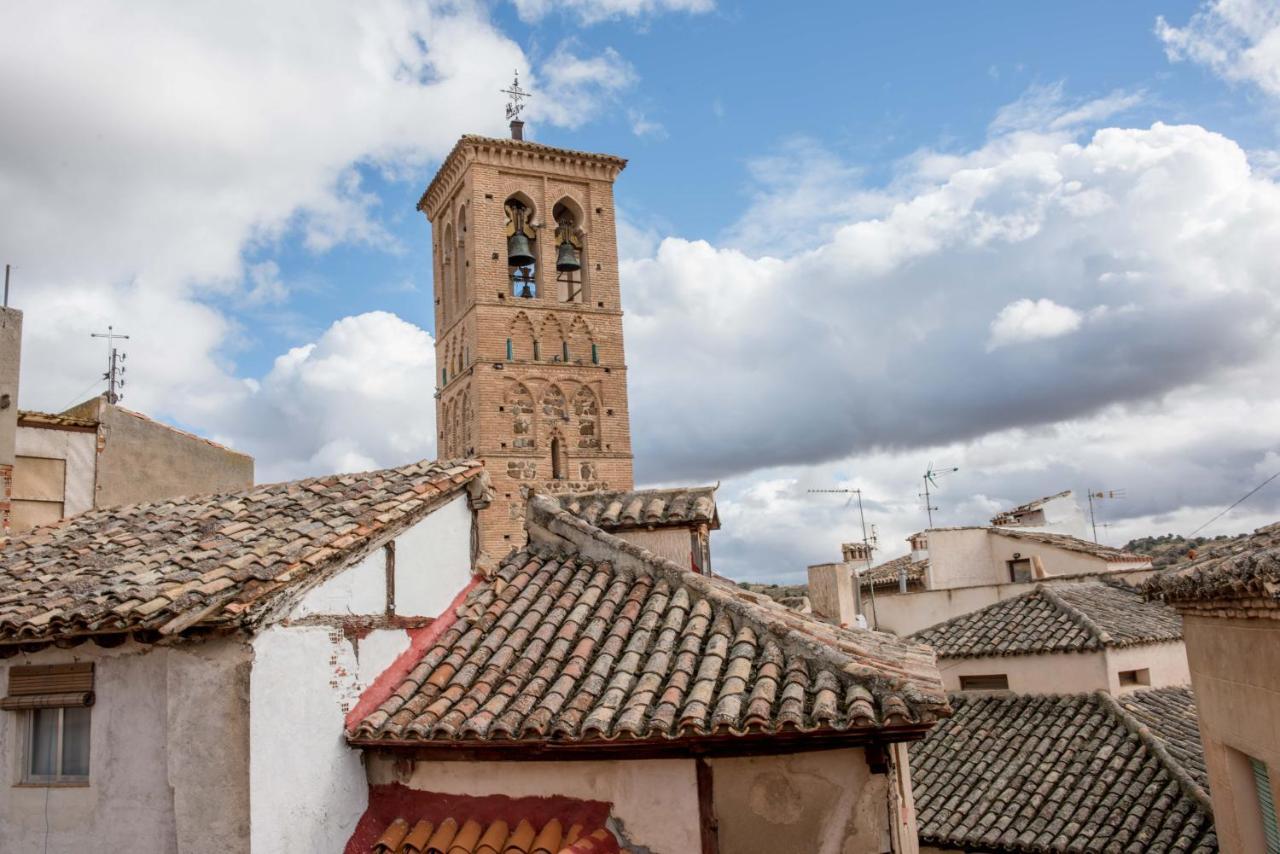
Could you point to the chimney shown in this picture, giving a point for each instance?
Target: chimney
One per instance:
(856, 552)
(517, 129)
(919, 546)
(831, 593)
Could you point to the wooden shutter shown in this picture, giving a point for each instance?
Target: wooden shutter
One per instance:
(49, 686)
(1267, 803)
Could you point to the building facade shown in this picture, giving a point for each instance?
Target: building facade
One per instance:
(531, 375)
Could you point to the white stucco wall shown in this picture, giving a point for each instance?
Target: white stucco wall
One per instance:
(167, 757)
(359, 589)
(656, 799)
(1167, 663)
(433, 560)
(1054, 673)
(960, 558)
(79, 449)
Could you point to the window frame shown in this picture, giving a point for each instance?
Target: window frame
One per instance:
(28, 777)
(990, 677)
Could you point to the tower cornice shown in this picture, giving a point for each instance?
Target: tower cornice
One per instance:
(514, 154)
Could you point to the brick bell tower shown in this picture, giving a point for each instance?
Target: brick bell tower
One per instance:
(530, 370)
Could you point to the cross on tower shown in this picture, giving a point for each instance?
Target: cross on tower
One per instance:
(515, 105)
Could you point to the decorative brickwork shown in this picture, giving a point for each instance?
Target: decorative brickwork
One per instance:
(6, 497)
(534, 386)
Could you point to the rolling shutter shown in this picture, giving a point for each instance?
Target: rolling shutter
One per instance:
(1267, 803)
(49, 686)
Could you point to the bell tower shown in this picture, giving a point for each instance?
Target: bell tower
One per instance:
(530, 370)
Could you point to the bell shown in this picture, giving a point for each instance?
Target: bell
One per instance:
(567, 258)
(519, 253)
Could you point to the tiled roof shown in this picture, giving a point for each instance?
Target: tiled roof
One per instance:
(54, 421)
(1072, 544)
(1057, 774)
(1170, 714)
(1081, 616)
(644, 508)
(214, 560)
(471, 836)
(888, 573)
(1007, 516)
(596, 640)
(1241, 578)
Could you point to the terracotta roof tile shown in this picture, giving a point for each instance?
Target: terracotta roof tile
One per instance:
(1073, 544)
(563, 648)
(1240, 578)
(645, 508)
(1081, 616)
(468, 835)
(1050, 774)
(212, 560)
(888, 573)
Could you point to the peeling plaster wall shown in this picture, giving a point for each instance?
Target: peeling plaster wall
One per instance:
(655, 799)
(168, 761)
(825, 802)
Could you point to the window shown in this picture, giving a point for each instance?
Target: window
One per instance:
(569, 253)
(557, 460)
(1020, 570)
(1266, 803)
(54, 702)
(521, 248)
(510, 349)
(595, 355)
(57, 746)
(1135, 677)
(991, 682)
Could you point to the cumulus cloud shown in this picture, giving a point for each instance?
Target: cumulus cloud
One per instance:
(573, 87)
(1238, 39)
(875, 339)
(595, 11)
(1030, 320)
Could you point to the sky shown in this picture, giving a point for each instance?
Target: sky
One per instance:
(1034, 242)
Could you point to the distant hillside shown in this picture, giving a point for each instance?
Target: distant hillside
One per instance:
(1174, 548)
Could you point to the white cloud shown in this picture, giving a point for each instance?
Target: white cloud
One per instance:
(1031, 320)
(642, 125)
(1238, 39)
(595, 11)
(573, 88)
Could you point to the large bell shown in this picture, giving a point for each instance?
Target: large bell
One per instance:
(567, 258)
(519, 252)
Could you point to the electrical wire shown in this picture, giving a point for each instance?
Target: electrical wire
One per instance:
(1234, 506)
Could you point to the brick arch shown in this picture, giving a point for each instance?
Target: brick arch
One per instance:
(460, 258)
(580, 340)
(467, 420)
(520, 334)
(552, 338)
(517, 401)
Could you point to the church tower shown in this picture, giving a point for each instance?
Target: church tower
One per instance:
(531, 376)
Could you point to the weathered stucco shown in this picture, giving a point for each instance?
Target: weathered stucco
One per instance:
(904, 614)
(433, 560)
(1054, 673)
(824, 802)
(168, 766)
(1166, 664)
(656, 800)
(1235, 672)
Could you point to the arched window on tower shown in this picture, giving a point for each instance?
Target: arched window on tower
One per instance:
(557, 459)
(586, 415)
(570, 252)
(580, 340)
(446, 273)
(460, 263)
(520, 334)
(518, 403)
(522, 253)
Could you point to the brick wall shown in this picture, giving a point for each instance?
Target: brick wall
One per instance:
(511, 412)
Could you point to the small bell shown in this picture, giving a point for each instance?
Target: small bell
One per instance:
(567, 258)
(519, 252)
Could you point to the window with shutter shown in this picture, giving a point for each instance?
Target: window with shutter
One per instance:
(1267, 805)
(55, 701)
(49, 686)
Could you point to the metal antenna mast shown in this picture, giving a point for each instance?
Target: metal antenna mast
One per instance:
(1101, 495)
(868, 542)
(115, 363)
(931, 478)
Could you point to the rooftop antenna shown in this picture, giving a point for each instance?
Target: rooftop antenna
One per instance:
(868, 542)
(115, 363)
(515, 104)
(1101, 495)
(931, 476)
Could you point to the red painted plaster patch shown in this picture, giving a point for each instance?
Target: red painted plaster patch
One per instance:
(419, 640)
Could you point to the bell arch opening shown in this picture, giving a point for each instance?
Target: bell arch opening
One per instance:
(522, 246)
(571, 248)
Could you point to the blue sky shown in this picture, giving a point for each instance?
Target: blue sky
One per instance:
(1033, 240)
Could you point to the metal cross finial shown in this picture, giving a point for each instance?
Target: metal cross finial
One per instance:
(517, 98)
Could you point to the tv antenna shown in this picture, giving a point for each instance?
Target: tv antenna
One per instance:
(1101, 495)
(931, 476)
(115, 363)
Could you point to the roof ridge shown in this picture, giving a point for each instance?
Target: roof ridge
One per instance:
(1188, 785)
(1074, 613)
